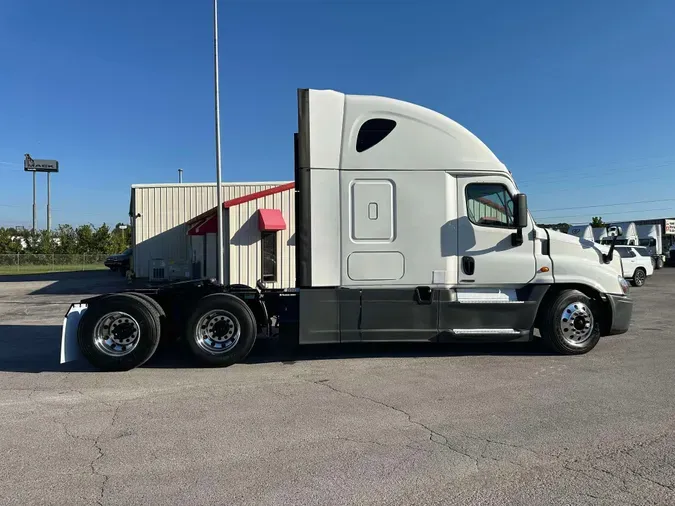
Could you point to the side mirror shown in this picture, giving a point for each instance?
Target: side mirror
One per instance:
(520, 210)
(614, 231)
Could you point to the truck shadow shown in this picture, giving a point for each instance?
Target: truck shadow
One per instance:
(36, 348)
(71, 283)
(268, 352)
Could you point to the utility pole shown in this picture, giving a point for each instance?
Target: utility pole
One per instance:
(49, 205)
(219, 183)
(34, 206)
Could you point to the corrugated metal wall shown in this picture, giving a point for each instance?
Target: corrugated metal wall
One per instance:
(160, 230)
(245, 253)
(478, 209)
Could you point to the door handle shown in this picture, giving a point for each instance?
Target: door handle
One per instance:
(468, 265)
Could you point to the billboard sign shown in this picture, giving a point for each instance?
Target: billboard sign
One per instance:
(37, 165)
(669, 227)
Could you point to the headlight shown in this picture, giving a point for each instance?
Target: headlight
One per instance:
(624, 285)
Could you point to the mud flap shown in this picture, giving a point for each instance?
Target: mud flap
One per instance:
(70, 351)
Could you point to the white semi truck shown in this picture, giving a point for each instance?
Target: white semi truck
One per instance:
(629, 237)
(582, 232)
(408, 228)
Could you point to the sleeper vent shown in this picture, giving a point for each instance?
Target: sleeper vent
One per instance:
(372, 132)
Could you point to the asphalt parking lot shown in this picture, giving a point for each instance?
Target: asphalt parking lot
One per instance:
(395, 425)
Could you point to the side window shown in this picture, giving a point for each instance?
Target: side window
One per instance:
(489, 205)
(626, 252)
(372, 132)
(643, 252)
(269, 256)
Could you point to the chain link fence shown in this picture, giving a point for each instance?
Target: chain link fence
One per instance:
(27, 263)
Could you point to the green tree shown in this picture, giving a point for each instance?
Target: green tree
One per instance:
(597, 222)
(10, 242)
(101, 239)
(561, 227)
(85, 239)
(67, 240)
(120, 238)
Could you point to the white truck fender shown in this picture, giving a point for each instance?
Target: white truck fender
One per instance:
(70, 351)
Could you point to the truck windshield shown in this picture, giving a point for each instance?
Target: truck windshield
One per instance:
(650, 241)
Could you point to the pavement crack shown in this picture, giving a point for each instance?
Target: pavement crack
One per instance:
(650, 480)
(434, 436)
(100, 454)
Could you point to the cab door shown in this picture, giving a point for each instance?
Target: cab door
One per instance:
(491, 251)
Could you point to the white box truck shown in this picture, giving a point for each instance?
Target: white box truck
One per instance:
(408, 228)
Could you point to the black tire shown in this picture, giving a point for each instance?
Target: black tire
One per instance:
(639, 277)
(164, 330)
(569, 339)
(659, 263)
(168, 336)
(237, 318)
(144, 314)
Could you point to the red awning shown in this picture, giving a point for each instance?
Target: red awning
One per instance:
(270, 220)
(208, 225)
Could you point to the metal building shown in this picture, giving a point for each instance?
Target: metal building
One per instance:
(260, 238)
(159, 214)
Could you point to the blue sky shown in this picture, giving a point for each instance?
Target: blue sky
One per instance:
(577, 98)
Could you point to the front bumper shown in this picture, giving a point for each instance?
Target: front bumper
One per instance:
(622, 310)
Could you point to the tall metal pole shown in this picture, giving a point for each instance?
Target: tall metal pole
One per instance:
(49, 205)
(34, 206)
(219, 183)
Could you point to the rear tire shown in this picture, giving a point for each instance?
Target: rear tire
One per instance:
(221, 330)
(639, 277)
(659, 263)
(119, 332)
(570, 324)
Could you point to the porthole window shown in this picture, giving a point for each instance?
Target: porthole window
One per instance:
(372, 132)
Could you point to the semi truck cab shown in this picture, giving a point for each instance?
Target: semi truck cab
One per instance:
(408, 228)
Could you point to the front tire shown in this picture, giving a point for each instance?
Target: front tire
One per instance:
(639, 277)
(570, 324)
(119, 332)
(659, 263)
(221, 330)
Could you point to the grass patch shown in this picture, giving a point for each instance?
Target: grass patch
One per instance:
(44, 269)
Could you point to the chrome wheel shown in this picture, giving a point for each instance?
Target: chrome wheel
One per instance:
(639, 277)
(576, 323)
(217, 331)
(116, 334)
